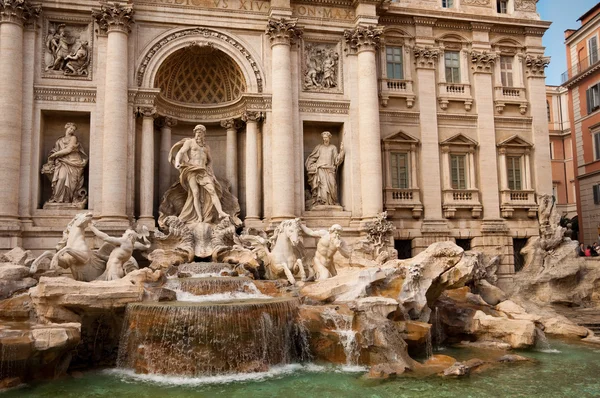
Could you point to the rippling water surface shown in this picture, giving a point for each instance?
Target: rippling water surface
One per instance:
(573, 371)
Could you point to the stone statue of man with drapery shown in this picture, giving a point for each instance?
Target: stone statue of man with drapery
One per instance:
(321, 166)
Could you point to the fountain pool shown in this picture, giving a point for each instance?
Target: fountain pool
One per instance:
(571, 373)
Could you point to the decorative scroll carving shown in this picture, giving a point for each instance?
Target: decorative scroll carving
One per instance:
(67, 50)
(476, 2)
(363, 38)
(230, 124)
(283, 31)
(252, 116)
(525, 5)
(321, 67)
(18, 11)
(114, 17)
(483, 61)
(165, 122)
(536, 64)
(425, 57)
(204, 33)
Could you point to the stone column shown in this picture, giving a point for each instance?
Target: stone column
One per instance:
(535, 65)
(147, 167)
(446, 168)
(483, 63)
(282, 34)
(365, 41)
(13, 15)
(252, 168)
(231, 159)
(115, 19)
(502, 166)
(164, 166)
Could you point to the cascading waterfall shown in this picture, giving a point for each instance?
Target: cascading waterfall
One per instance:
(195, 339)
(214, 289)
(542, 344)
(439, 332)
(347, 336)
(429, 345)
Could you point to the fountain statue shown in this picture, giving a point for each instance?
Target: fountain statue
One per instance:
(329, 243)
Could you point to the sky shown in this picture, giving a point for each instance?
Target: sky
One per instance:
(564, 15)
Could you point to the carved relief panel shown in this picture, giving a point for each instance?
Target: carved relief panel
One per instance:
(67, 48)
(321, 67)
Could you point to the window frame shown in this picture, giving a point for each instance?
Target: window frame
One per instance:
(507, 74)
(499, 4)
(454, 79)
(593, 56)
(596, 144)
(393, 62)
(520, 160)
(394, 154)
(596, 193)
(465, 176)
(592, 95)
(447, 3)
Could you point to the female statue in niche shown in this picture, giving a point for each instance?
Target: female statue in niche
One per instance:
(321, 166)
(65, 169)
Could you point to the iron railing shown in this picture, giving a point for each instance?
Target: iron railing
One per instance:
(581, 66)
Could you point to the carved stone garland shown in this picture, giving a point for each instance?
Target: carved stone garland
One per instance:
(525, 5)
(114, 17)
(199, 32)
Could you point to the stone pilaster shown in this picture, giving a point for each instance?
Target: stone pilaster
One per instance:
(13, 16)
(536, 88)
(365, 41)
(482, 64)
(282, 33)
(164, 166)
(116, 20)
(148, 115)
(252, 119)
(231, 149)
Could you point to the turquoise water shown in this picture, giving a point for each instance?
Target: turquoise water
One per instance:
(574, 372)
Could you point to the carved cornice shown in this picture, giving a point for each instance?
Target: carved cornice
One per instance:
(531, 31)
(425, 57)
(206, 114)
(424, 21)
(202, 32)
(252, 116)
(480, 26)
(115, 17)
(363, 38)
(453, 25)
(403, 117)
(19, 12)
(310, 106)
(283, 31)
(536, 64)
(483, 61)
(64, 94)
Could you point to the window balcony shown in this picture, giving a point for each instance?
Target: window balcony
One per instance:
(409, 198)
(521, 199)
(510, 95)
(455, 199)
(582, 66)
(394, 88)
(459, 92)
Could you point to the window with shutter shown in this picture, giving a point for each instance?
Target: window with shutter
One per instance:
(593, 98)
(399, 170)
(596, 137)
(593, 50)
(502, 6)
(394, 63)
(596, 192)
(458, 171)
(452, 63)
(513, 166)
(506, 71)
(447, 3)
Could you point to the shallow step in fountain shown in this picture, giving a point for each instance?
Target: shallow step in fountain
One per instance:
(216, 285)
(204, 338)
(207, 269)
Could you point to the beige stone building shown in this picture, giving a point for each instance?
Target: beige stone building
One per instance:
(439, 104)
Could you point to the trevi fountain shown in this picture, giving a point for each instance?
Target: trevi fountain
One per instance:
(211, 292)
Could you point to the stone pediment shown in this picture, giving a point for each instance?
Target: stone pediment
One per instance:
(515, 141)
(401, 137)
(460, 139)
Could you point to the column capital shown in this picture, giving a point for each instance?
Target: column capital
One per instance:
(483, 61)
(363, 38)
(230, 124)
(18, 11)
(425, 57)
(252, 116)
(113, 18)
(166, 121)
(535, 65)
(146, 112)
(283, 31)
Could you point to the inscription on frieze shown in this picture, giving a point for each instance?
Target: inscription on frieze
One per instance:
(243, 5)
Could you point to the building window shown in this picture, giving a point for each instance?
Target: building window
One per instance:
(596, 190)
(502, 6)
(513, 170)
(596, 138)
(548, 111)
(551, 150)
(447, 3)
(506, 71)
(593, 98)
(399, 170)
(452, 62)
(458, 171)
(593, 50)
(394, 63)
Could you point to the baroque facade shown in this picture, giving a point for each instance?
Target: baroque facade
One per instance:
(437, 104)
